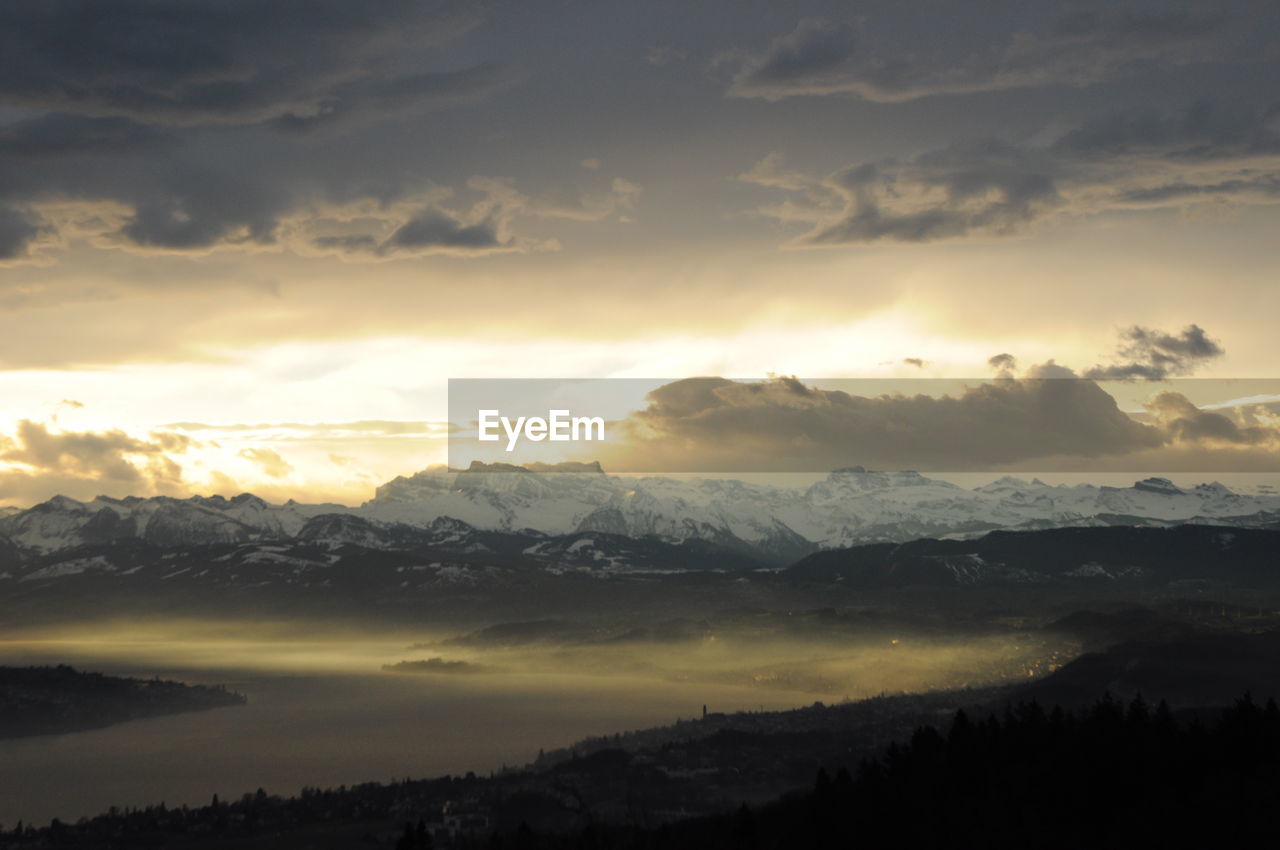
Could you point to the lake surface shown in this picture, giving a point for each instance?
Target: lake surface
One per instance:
(318, 715)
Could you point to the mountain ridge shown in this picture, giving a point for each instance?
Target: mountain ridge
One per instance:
(851, 506)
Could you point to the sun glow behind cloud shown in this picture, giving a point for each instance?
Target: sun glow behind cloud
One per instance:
(345, 415)
(332, 420)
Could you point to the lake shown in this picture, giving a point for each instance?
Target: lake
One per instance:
(319, 714)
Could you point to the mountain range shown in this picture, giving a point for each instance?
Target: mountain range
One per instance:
(768, 524)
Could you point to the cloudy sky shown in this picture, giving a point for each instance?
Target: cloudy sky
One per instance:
(245, 243)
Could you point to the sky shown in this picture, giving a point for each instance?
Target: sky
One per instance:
(244, 244)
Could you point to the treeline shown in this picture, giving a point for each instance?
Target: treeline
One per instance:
(1113, 775)
(44, 700)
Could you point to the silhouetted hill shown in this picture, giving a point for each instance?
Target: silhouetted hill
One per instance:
(1108, 776)
(1148, 556)
(1097, 630)
(45, 700)
(1196, 670)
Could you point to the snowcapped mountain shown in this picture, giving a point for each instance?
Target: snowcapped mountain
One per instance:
(775, 524)
(64, 523)
(850, 506)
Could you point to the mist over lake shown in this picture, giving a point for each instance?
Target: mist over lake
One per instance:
(319, 724)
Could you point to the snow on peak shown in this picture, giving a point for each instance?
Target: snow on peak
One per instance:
(1158, 485)
(849, 506)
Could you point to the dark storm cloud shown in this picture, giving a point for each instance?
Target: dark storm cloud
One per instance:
(1154, 355)
(487, 226)
(181, 203)
(710, 423)
(1205, 131)
(126, 187)
(402, 93)
(429, 231)
(1049, 415)
(56, 135)
(201, 125)
(198, 208)
(1208, 153)
(153, 126)
(1262, 189)
(435, 229)
(351, 244)
(197, 126)
(17, 231)
(225, 61)
(1081, 48)
(990, 188)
